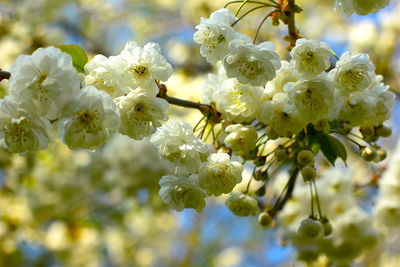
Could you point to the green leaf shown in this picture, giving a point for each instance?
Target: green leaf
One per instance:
(332, 148)
(79, 57)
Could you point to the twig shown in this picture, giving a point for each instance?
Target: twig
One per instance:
(4, 75)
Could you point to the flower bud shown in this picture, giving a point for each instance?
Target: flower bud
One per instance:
(381, 154)
(265, 220)
(308, 173)
(305, 157)
(367, 131)
(383, 131)
(368, 153)
(282, 154)
(310, 228)
(327, 226)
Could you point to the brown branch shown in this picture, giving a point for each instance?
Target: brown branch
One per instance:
(4, 75)
(289, 9)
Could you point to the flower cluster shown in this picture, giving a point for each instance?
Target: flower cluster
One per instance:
(198, 171)
(303, 92)
(118, 94)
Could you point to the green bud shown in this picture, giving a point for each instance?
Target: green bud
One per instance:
(265, 220)
(308, 173)
(260, 191)
(310, 228)
(383, 131)
(367, 131)
(282, 154)
(381, 154)
(327, 226)
(305, 157)
(368, 153)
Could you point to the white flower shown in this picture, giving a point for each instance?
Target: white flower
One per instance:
(251, 64)
(219, 175)
(358, 108)
(314, 99)
(143, 65)
(181, 193)
(237, 101)
(242, 139)
(384, 101)
(361, 7)
(310, 56)
(138, 111)
(21, 130)
(47, 78)
(214, 35)
(104, 74)
(287, 73)
(88, 120)
(352, 73)
(212, 84)
(241, 204)
(281, 118)
(177, 143)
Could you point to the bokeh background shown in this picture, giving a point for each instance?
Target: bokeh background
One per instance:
(77, 208)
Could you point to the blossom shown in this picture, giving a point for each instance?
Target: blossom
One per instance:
(241, 204)
(105, 74)
(47, 78)
(219, 175)
(21, 130)
(310, 56)
(139, 111)
(282, 119)
(141, 66)
(214, 35)
(182, 192)
(88, 120)
(314, 99)
(352, 73)
(251, 64)
(287, 73)
(242, 139)
(237, 101)
(177, 143)
(361, 7)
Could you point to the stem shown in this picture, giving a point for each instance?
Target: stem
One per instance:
(252, 2)
(183, 103)
(248, 12)
(280, 203)
(259, 26)
(4, 75)
(240, 7)
(290, 13)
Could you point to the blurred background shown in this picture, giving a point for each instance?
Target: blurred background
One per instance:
(76, 208)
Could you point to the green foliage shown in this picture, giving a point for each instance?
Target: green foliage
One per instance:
(79, 57)
(332, 148)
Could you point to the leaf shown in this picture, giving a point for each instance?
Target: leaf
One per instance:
(79, 57)
(332, 148)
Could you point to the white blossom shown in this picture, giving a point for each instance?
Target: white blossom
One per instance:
(242, 139)
(141, 66)
(214, 35)
(282, 119)
(139, 111)
(251, 64)
(352, 73)
(314, 99)
(47, 78)
(182, 193)
(237, 101)
(310, 56)
(177, 143)
(88, 120)
(21, 130)
(105, 74)
(241, 204)
(219, 175)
